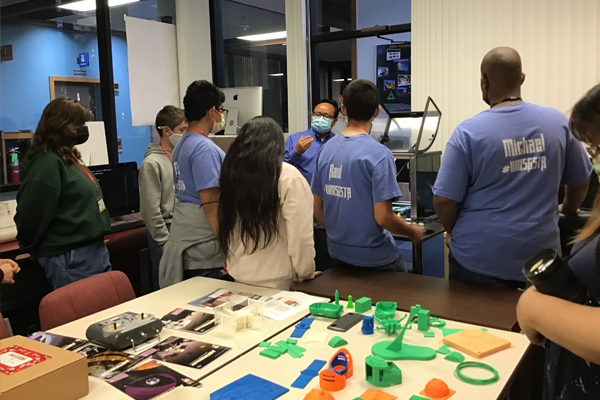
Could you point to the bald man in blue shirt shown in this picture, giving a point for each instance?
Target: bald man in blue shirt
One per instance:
(301, 148)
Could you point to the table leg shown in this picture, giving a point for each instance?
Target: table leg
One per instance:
(418, 259)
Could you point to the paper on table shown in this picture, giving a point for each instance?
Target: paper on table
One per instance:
(222, 296)
(286, 304)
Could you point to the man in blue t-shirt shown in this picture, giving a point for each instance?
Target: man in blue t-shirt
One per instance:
(192, 248)
(354, 183)
(496, 191)
(301, 148)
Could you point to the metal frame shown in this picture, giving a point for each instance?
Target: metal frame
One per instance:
(315, 38)
(107, 82)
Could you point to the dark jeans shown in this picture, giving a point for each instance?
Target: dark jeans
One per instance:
(460, 273)
(398, 265)
(76, 264)
(214, 273)
(156, 253)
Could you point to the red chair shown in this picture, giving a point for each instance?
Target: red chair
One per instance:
(84, 297)
(3, 331)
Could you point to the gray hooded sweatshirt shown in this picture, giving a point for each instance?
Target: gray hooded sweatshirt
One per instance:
(157, 192)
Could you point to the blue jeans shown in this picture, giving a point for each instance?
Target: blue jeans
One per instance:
(460, 273)
(76, 264)
(398, 265)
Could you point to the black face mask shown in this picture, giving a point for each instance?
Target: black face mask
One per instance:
(83, 134)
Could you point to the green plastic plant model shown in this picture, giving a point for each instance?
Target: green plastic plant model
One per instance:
(423, 320)
(362, 305)
(381, 373)
(350, 303)
(337, 341)
(385, 309)
(455, 356)
(396, 350)
(328, 310)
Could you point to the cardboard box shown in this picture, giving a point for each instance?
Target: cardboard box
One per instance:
(34, 370)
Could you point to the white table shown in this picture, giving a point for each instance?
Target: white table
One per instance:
(178, 296)
(415, 374)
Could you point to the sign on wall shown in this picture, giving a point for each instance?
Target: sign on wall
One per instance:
(393, 75)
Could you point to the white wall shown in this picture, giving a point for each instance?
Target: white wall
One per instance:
(193, 42)
(559, 42)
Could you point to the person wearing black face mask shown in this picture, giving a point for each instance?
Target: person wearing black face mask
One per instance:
(61, 217)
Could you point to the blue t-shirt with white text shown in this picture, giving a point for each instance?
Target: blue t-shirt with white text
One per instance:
(351, 174)
(504, 167)
(196, 166)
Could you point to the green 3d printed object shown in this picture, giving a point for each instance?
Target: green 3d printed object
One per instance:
(428, 334)
(362, 305)
(423, 320)
(455, 356)
(381, 373)
(396, 350)
(328, 310)
(445, 349)
(473, 381)
(385, 309)
(337, 341)
(350, 303)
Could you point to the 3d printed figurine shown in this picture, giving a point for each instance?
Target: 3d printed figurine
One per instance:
(341, 367)
(350, 303)
(367, 325)
(381, 373)
(437, 389)
(362, 305)
(328, 310)
(385, 309)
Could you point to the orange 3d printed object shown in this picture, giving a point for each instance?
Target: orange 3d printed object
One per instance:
(437, 389)
(318, 394)
(341, 367)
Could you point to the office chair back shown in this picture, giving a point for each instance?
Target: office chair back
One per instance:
(3, 331)
(84, 297)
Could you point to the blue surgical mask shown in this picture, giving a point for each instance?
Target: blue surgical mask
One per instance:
(321, 124)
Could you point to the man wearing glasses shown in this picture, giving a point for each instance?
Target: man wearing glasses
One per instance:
(301, 148)
(192, 248)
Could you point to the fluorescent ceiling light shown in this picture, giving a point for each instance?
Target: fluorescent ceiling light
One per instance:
(339, 80)
(90, 5)
(277, 74)
(265, 36)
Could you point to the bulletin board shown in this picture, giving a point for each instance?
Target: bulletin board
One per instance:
(393, 75)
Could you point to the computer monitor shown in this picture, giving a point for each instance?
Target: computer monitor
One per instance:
(119, 183)
(243, 103)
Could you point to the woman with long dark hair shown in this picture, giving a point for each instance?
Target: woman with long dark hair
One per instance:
(61, 217)
(265, 210)
(572, 369)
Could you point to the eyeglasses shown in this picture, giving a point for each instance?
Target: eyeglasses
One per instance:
(319, 114)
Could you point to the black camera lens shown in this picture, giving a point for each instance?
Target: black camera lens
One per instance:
(551, 275)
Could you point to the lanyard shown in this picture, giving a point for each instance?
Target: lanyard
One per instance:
(514, 98)
(167, 153)
(84, 170)
(357, 126)
(197, 130)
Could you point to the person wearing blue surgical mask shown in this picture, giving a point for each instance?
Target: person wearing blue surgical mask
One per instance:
(301, 148)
